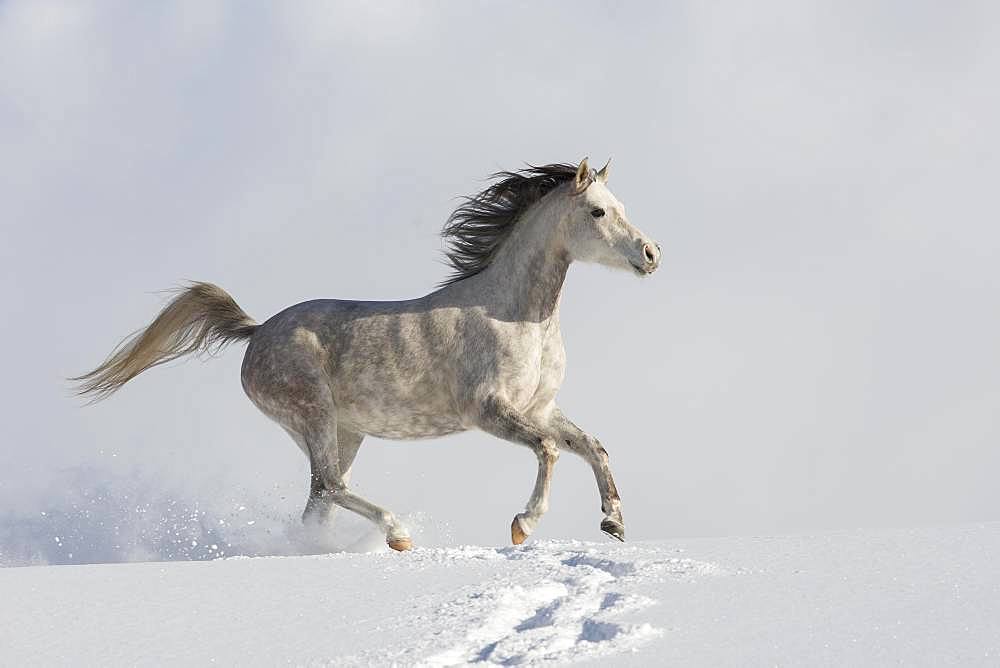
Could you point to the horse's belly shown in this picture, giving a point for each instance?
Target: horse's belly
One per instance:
(416, 428)
(394, 415)
(407, 426)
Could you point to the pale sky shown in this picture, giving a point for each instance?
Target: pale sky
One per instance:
(819, 349)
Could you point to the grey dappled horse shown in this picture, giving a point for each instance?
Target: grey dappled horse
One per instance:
(484, 351)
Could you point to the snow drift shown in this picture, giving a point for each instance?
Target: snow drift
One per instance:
(918, 597)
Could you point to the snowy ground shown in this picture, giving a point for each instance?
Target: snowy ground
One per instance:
(915, 597)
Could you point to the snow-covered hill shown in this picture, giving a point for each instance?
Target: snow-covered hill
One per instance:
(916, 597)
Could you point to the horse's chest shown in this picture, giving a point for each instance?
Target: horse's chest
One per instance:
(531, 373)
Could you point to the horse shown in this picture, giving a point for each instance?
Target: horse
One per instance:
(483, 351)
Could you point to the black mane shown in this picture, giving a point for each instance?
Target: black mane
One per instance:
(477, 228)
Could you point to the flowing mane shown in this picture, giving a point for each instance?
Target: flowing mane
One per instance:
(478, 227)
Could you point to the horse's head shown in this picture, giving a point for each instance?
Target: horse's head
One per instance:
(598, 231)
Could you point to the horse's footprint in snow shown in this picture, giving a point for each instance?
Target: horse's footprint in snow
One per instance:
(614, 568)
(566, 613)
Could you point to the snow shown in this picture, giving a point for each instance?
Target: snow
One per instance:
(916, 597)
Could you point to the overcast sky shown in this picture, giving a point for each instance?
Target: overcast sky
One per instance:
(818, 350)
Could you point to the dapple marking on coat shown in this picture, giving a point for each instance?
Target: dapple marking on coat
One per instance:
(484, 351)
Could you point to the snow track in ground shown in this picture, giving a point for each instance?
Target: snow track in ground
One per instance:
(569, 611)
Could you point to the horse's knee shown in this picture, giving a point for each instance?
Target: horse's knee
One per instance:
(548, 453)
(594, 449)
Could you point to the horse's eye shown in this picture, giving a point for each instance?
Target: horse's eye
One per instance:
(597, 213)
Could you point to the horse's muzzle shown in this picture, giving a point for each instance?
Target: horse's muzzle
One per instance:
(649, 260)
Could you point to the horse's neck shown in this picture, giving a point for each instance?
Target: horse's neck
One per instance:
(526, 277)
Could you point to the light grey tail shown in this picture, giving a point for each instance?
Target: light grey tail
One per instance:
(201, 317)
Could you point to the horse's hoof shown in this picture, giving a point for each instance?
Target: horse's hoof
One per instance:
(517, 534)
(613, 529)
(400, 544)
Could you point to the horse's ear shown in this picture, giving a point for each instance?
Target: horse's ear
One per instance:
(602, 175)
(582, 175)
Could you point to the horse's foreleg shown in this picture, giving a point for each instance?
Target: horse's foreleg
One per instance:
(590, 449)
(538, 504)
(497, 417)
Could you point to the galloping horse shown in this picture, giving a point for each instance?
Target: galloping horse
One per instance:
(484, 351)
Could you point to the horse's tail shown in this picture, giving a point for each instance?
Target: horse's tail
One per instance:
(201, 317)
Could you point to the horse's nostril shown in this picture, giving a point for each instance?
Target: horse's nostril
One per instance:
(650, 253)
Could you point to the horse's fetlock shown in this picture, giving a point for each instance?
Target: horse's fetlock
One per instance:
(612, 507)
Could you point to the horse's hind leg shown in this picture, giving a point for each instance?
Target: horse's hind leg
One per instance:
(321, 447)
(396, 534)
(331, 452)
(348, 443)
(286, 377)
(320, 507)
